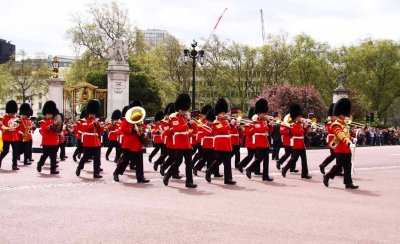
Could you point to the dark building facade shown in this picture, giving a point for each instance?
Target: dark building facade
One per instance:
(6, 51)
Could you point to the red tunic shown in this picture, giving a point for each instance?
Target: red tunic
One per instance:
(113, 131)
(222, 135)
(8, 135)
(235, 137)
(156, 132)
(77, 130)
(207, 137)
(286, 135)
(91, 133)
(130, 139)
(298, 133)
(342, 131)
(25, 127)
(180, 129)
(249, 140)
(331, 133)
(49, 136)
(260, 133)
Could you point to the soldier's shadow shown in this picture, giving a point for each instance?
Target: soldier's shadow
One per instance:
(359, 192)
(137, 185)
(234, 187)
(8, 171)
(276, 184)
(43, 175)
(190, 191)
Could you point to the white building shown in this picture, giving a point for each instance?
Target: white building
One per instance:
(153, 37)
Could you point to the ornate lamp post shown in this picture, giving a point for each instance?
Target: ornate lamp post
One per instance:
(56, 64)
(193, 54)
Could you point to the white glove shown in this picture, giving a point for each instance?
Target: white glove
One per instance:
(352, 145)
(355, 140)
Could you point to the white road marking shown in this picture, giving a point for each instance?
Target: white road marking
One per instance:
(103, 182)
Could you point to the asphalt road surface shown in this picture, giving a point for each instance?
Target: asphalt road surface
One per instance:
(42, 208)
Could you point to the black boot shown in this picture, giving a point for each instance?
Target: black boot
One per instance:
(306, 177)
(322, 169)
(97, 176)
(190, 185)
(77, 172)
(116, 177)
(144, 180)
(326, 181)
(351, 186)
(230, 182)
(248, 173)
(208, 176)
(284, 171)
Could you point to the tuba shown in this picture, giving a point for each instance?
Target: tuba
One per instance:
(135, 116)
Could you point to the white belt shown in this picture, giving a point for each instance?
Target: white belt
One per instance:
(295, 137)
(120, 139)
(207, 137)
(234, 134)
(88, 134)
(222, 136)
(258, 134)
(178, 133)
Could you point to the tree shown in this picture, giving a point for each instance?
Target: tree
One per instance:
(280, 97)
(106, 22)
(26, 78)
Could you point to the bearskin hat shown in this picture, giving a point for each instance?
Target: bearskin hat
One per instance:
(116, 114)
(342, 107)
(295, 111)
(124, 110)
(62, 116)
(261, 106)
(210, 115)
(93, 107)
(49, 107)
(25, 109)
(83, 114)
(183, 102)
(30, 112)
(250, 113)
(135, 103)
(221, 106)
(11, 107)
(159, 116)
(171, 109)
(167, 108)
(205, 109)
(330, 110)
(194, 113)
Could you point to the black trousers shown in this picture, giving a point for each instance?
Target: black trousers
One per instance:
(262, 155)
(157, 147)
(49, 151)
(30, 149)
(328, 159)
(163, 155)
(342, 160)
(248, 158)
(288, 153)
(128, 156)
(199, 155)
(118, 152)
(225, 158)
(88, 153)
(111, 145)
(6, 149)
(180, 154)
(62, 150)
(208, 158)
(275, 150)
(24, 147)
(171, 158)
(292, 162)
(79, 148)
(236, 153)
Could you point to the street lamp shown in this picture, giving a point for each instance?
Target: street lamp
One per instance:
(56, 64)
(193, 54)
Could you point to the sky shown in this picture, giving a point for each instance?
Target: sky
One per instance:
(39, 27)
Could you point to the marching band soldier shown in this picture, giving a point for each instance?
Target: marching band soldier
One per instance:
(260, 133)
(113, 128)
(120, 135)
(331, 135)
(298, 132)
(180, 139)
(132, 148)
(286, 142)
(25, 131)
(33, 128)
(156, 131)
(136, 103)
(50, 138)
(199, 135)
(78, 135)
(207, 144)
(235, 136)
(342, 144)
(91, 130)
(10, 134)
(222, 143)
(276, 138)
(62, 140)
(164, 124)
(251, 150)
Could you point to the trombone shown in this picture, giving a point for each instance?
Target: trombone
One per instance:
(349, 121)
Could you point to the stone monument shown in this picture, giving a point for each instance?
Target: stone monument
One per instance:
(117, 76)
(56, 86)
(340, 91)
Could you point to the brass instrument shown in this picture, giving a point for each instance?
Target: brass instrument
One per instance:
(287, 121)
(13, 123)
(58, 123)
(349, 121)
(27, 132)
(136, 115)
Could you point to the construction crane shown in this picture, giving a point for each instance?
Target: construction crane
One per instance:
(215, 27)
(262, 26)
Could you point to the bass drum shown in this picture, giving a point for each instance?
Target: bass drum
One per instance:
(58, 123)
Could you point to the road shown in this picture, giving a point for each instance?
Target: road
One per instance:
(42, 208)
